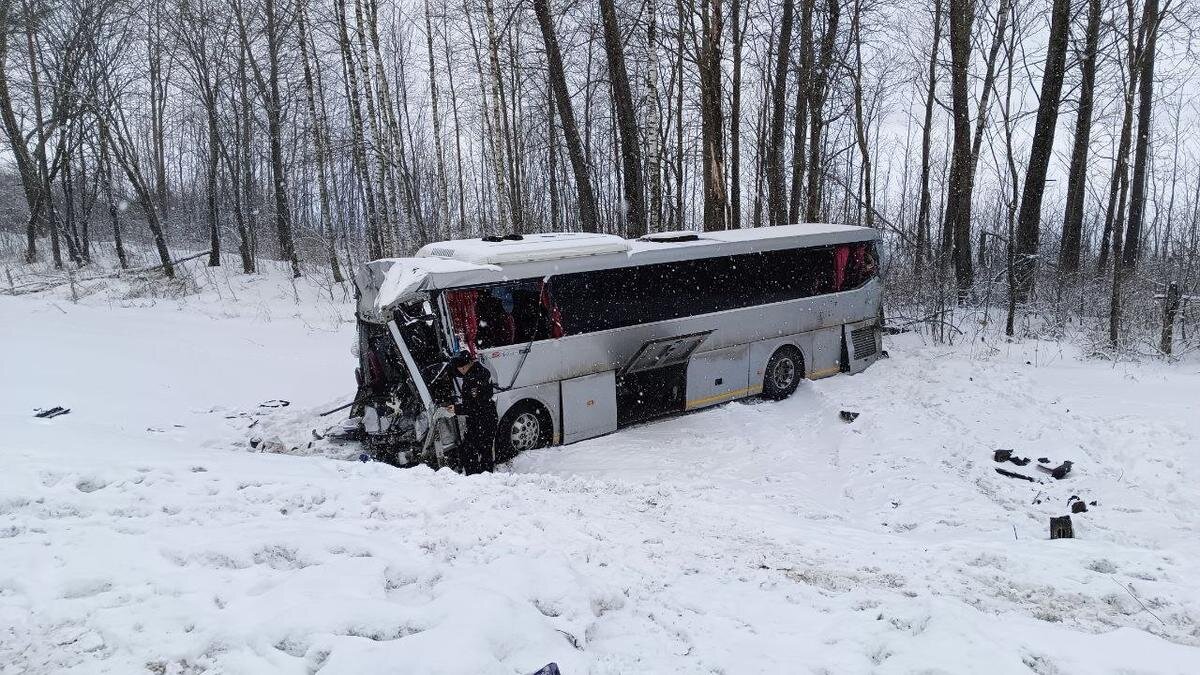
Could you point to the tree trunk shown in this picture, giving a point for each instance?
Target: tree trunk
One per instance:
(1137, 196)
(654, 121)
(462, 193)
(106, 175)
(552, 158)
(211, 185)
(922, 238)
(1114, 215)
(375, 244)
(776, 194)
(505, 215)
(860, 122)
(381, 142)
(45, 190)
(803, 78)
(631, 155)
(443, 184)
(318, 136)
(26, 168)
(712, 121)
(1072, 232)
(957, 225)
(283, 218)
(123, 148)
(246, 248)
(1029, 217)
(680, 220)
(158, 100)
(816, 110)
(589, 220)
(735, 115)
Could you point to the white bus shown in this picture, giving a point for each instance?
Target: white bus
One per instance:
(585, 333)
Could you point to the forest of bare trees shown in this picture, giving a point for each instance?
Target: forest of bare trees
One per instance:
(1034, 161)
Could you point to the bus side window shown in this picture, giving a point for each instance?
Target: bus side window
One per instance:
(496, 325)
(503, 315)
(863, 264)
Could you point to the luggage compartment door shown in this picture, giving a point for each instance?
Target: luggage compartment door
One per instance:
(589, 406)
(718, 376)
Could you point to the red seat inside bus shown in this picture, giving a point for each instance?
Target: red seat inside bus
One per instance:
(504, 314)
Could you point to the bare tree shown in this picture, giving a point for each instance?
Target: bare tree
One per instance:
(776, 191)
(957, 223)
(707, 45)
(1145, 73)
(922, 235)
(817, 91)
(588, 218)
(1030, 216)
(1072, 233)
(631, 154)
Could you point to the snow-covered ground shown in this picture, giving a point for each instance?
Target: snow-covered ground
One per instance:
(141, 532)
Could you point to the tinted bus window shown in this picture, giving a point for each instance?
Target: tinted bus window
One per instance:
(615, 298)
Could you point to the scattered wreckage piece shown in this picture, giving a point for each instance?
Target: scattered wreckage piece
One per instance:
(1078, 505)
(275, 403)
(848, 416)
(1059, 472)
(1061, 528)
(1014, 474)
(1006, 455)
(51, 413)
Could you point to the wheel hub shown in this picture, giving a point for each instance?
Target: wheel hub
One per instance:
(784, 373)
(526, 432)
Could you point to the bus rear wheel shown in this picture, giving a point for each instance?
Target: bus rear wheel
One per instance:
(783, 373)
(526, 426)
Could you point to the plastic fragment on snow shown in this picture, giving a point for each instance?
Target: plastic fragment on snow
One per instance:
(1061, 528)
(848, 416)
(1002, 455)
(275, 403)
(548, 669)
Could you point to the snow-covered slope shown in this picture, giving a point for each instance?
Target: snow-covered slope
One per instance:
(141, 532)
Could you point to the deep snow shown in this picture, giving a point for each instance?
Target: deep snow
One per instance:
(141, 531)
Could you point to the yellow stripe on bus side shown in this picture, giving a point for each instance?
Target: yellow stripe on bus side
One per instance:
(824, 373)
(748, 391)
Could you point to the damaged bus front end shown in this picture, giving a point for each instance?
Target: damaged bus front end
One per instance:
(403, 381)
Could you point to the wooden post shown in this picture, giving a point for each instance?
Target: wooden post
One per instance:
(1170, 309)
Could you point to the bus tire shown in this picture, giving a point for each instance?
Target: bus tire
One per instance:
(783, 373)
(526, 426)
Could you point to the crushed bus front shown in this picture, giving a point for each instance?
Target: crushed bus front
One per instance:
(403, 383)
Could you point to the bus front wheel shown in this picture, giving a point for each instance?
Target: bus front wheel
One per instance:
(783, 373)
(526, 426)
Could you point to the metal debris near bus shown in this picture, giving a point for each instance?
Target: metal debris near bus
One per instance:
(51, 413)
(1059, 472)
